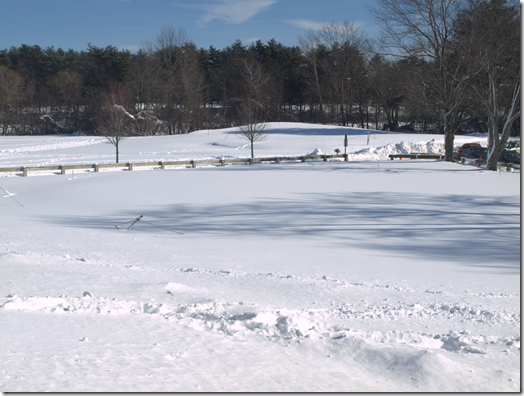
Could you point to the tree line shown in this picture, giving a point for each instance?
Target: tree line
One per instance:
(448, 66)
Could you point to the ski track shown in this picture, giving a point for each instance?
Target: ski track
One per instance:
(19, 146)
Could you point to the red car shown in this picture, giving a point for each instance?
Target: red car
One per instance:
(465, 147)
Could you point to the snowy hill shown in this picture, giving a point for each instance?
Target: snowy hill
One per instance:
(284, 139)
(391, 276)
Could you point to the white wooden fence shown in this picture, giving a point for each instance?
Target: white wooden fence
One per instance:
(163, 164)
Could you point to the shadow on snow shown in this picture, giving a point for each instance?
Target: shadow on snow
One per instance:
(473, 231)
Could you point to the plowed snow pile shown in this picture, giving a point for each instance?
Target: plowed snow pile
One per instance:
(382, 153)
(379, 276)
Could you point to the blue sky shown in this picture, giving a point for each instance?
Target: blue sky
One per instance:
(129, 23)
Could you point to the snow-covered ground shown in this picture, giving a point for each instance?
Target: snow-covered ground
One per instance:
(331, 276)
(284, 139)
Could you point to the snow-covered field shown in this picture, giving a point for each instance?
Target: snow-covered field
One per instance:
(367, 275)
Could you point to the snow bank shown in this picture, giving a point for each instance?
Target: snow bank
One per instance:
(433, 146)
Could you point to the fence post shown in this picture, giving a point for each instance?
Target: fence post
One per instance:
(222, 162)
(193, 163)
(162, 165)
(130, 166)
(97, 167)
(26, 169)
(62, 170)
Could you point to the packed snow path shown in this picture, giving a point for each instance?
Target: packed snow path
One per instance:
(357, 276)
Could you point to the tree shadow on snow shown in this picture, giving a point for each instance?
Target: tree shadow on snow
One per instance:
(474, 231)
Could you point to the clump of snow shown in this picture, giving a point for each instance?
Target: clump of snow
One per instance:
(121, 109)
(316, 152)
(173, 288)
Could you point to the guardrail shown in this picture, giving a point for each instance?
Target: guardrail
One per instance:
(462, 160)
(417, 156)
(480, 162)
(163, 164)
(509, 166)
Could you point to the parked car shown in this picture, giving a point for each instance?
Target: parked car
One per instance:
(510, 157)
(513, 145)
(476, 152)
(464, 147)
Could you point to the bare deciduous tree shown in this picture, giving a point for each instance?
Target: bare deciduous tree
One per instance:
(67, 87)
(335, 57)
(493, 30)
(424, 29)
(145, 73)
(249, 115)
(191, 111)
(168, 46)
(181, 81)
(344, 67)
(309, 44)
(255, 77)
(114, 121)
